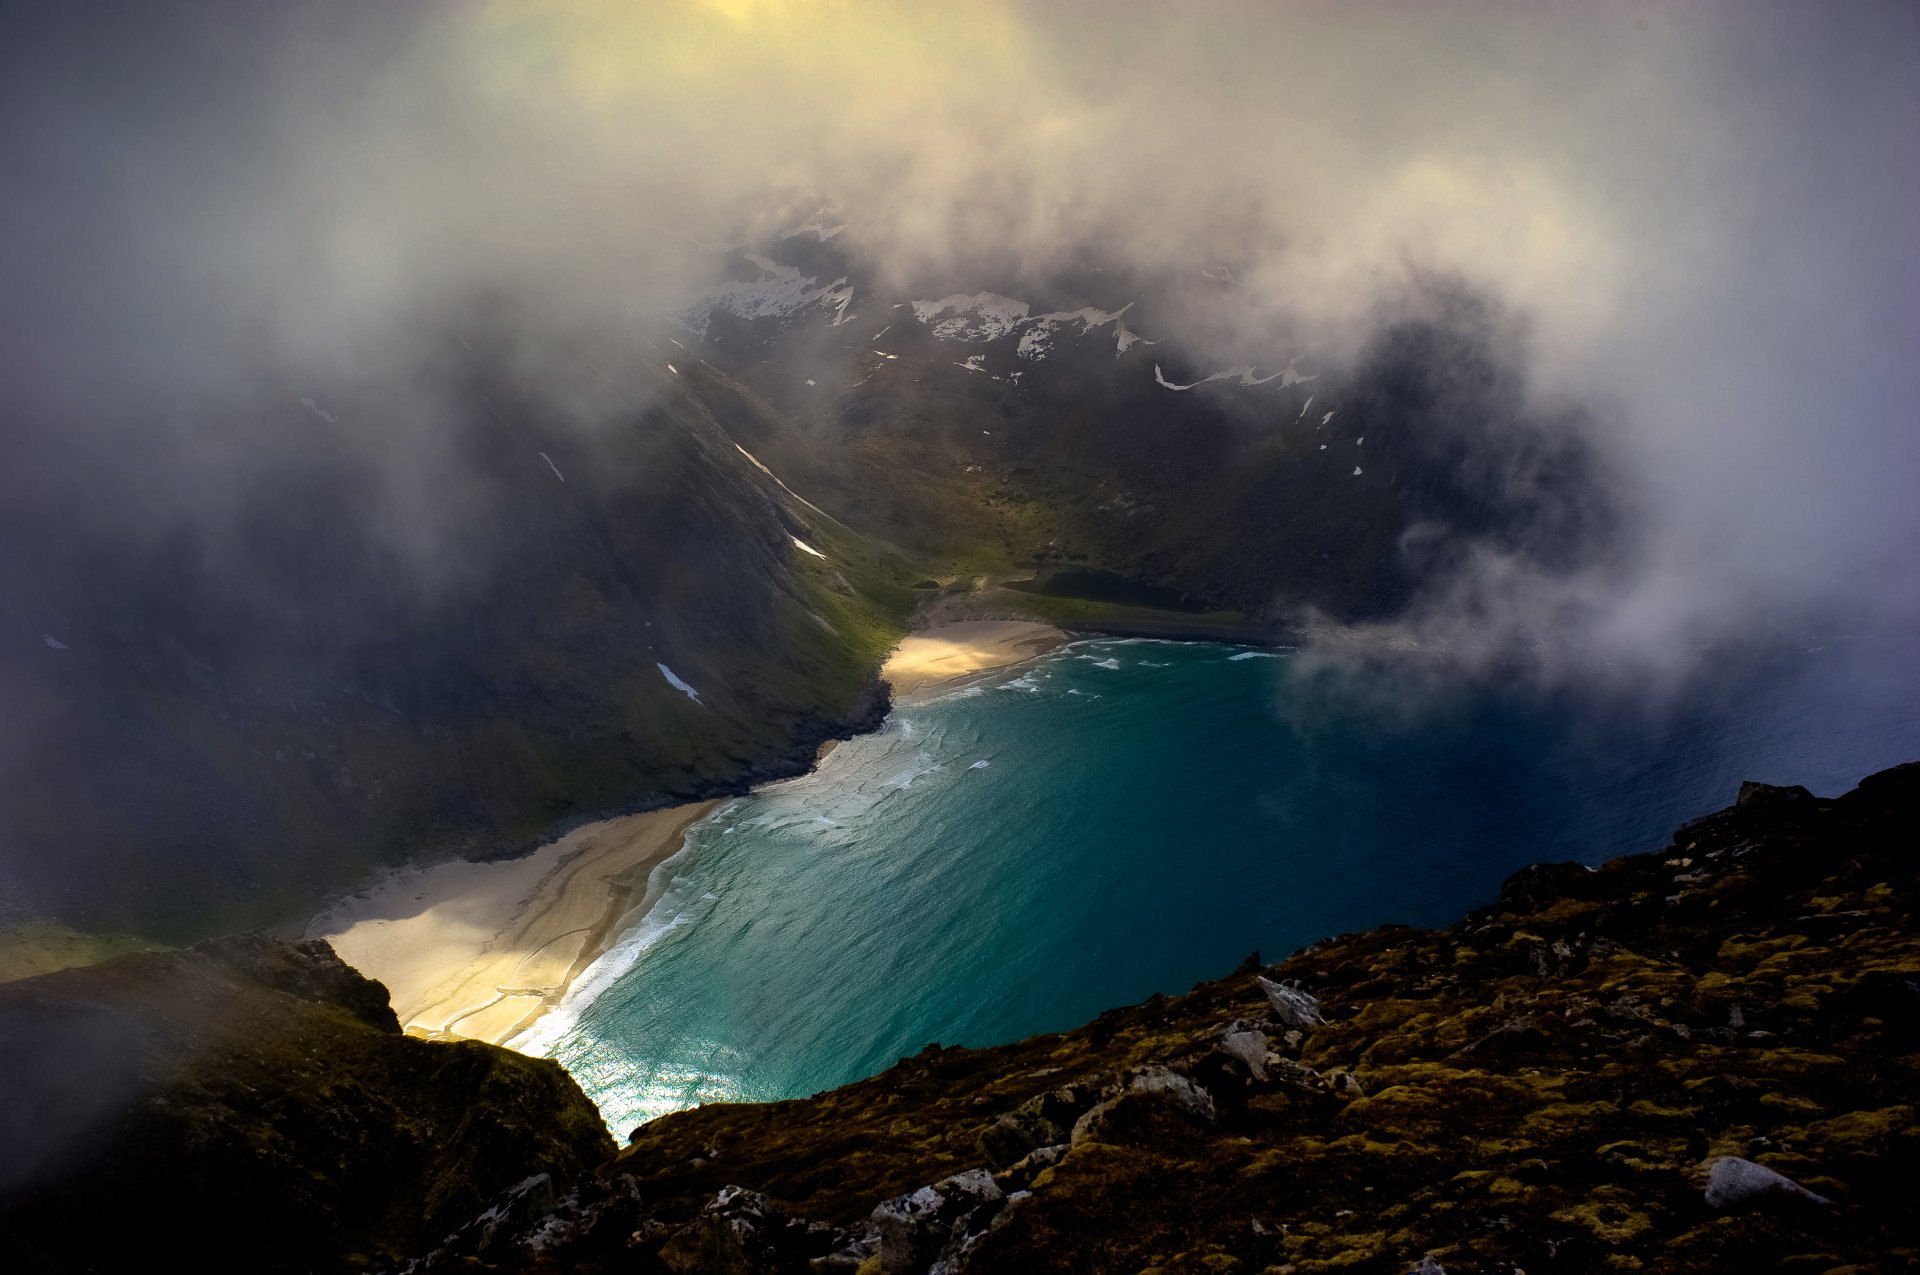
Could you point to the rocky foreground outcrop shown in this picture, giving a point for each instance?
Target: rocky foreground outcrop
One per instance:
(250, 1105)
(1696, 1060)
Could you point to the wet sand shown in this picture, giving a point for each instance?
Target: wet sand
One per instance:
(481, 950)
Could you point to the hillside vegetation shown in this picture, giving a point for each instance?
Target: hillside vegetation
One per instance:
(1698, 1059)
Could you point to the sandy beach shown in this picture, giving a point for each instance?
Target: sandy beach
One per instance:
(949, 651)
(481, 950)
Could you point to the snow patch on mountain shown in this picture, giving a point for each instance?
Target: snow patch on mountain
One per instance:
(677, 683)
(1290, 377)
(1041, 329)
(1243, 374)
(1125, 338)
(983, 316)
(319, 411)
(756, 463)
(817, 226)
(779, 292)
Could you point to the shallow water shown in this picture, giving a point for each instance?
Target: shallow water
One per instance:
(1125, 817)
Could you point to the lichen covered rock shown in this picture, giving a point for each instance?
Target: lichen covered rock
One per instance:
(1548, 1085)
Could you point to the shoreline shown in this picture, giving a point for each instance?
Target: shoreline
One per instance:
(483, 950)
(934, 658)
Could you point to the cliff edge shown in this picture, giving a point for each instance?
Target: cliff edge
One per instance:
(1699, 1059)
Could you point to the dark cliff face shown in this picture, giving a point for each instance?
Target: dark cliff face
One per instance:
(1699, 1059)
(232, 724)
(251, 1105)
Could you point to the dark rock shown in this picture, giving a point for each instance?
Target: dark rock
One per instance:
(1773, 799)
(1540, 883)
(1006, 1140)
(851, 1254)
(1892, 997)
(1139, 1113)
(1516, 1036)
(600, 1217)
(523, 1206)
(740, 1232)
(309, 969)
(256, 1091)
(1022, 1174)
(915, 1229)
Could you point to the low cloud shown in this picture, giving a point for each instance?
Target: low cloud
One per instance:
(1699, 217)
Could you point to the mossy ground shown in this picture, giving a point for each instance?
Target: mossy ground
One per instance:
(1542, 1086)
(36, 947)
(251, 1105)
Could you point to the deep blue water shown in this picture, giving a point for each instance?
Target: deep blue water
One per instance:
(1125, 817)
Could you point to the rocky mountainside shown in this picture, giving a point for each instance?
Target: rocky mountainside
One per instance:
(1071, 419)
(224, 727)
(251, 1105)
(227, 712)
(1699, 1059)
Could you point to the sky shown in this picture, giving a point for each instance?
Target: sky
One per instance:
(1700, 216)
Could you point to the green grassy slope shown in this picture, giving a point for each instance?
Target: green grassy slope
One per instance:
(212, 754)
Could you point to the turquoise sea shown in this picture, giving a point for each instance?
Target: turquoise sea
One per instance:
(1124, 817)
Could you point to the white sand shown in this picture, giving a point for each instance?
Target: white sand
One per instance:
(950, 651)
(481, 950)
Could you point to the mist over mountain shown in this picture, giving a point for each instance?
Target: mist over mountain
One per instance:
(314, 311)
(1223, 473)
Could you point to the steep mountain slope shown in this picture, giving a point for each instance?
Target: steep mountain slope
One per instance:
(1700, 1059)
(252, 1105)
(222, 714)
(977, 425)
(218, 726)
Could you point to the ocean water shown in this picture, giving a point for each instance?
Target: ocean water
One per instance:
(1126, 817)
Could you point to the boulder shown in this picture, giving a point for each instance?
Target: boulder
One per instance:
(1249, 1049)
(1006, 1141)
(1156, 1101)
(740, 1232)
(1293, 1007)
(917, 1228)
(1022, 1173)
(1734, 1183)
